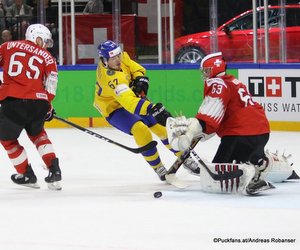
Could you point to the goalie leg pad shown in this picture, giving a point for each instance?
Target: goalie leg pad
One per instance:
(227, 185)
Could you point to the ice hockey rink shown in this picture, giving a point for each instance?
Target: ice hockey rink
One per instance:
(107, 202)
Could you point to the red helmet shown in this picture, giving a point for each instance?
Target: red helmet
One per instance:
(213, 65)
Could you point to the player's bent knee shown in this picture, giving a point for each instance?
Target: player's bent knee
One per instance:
(141, 133)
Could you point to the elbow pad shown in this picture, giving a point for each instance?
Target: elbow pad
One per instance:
(51, 83)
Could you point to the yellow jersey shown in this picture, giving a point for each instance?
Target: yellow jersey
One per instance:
(112, 88)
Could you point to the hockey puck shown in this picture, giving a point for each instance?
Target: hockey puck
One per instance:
(157, 194)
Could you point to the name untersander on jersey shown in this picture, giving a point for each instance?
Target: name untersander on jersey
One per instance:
(32, 49)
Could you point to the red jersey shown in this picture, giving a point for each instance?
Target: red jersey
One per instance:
(228, 109)
(25, 69)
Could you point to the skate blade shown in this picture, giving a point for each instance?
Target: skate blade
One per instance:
(174, 181)
(30, 185)
(262, 189)
(193, 173)
(54, 186)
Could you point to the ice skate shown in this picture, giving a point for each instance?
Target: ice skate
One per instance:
(191, 165)
(161, 172)
(255, 187)
(28, 179)
(54, 177)
(258, 184)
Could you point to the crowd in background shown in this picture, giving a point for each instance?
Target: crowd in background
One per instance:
(17, 15)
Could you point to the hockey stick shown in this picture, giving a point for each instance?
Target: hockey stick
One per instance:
(176, 165)
(171, 174)
(150, 145)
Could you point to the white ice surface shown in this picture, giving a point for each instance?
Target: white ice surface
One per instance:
(107, 202)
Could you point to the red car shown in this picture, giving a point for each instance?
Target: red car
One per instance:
(235, 38)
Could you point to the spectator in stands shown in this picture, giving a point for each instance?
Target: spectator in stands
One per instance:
(50, 20)
(94, 7)
(2, 17)
(19, 8)
(6, 36)
(18, 16)
(6, 3)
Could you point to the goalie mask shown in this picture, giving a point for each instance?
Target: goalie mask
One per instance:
(213, 65)
(39, 30)
(107, 50)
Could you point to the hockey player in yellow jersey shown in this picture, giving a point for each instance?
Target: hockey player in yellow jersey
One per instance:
(120, 93)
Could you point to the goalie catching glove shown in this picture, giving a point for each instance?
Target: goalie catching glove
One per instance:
(140, 86)
(182, 130)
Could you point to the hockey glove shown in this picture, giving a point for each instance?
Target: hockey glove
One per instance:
(50, 114)
(140, 86)
(181, 131)
(159, 112)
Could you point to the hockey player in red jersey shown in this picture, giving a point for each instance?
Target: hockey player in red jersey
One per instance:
(29, 85)
(229, 111)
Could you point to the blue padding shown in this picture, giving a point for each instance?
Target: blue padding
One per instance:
(191, 66)
(78, 67)
(263, 66)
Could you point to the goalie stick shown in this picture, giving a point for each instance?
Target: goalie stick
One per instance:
(171, 174)
(221, 175)
(150, 145)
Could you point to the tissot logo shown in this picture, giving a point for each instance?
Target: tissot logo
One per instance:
(272, 86)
